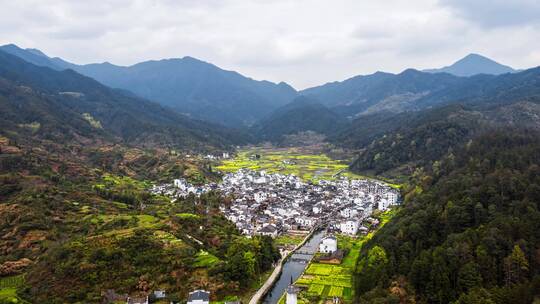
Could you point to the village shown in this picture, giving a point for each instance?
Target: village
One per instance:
(273, 204)
(281, 205)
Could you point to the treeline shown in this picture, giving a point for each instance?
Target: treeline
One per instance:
(469, 230)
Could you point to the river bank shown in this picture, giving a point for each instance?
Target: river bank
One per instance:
(293, 266)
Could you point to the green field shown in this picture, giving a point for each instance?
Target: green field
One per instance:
(8, 289)
(309, 167)
(205, 260)
(287, 239)
(325, 281)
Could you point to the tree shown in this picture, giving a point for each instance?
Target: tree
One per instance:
(516, 266)
(476, 296)
(468, 276)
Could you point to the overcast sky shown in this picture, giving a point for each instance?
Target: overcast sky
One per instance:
(304, 42)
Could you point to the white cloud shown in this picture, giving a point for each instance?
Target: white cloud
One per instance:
(304, 42)
(497, 13)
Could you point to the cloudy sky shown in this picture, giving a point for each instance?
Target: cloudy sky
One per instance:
(303, 42)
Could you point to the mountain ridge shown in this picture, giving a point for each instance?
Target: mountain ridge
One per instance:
(187, 84)
(63, 100)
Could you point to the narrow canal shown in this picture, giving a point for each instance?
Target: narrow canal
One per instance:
(294, 267)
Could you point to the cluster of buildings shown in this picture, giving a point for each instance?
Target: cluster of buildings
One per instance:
(270, 204)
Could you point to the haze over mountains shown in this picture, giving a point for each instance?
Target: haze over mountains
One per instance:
(64, 105)
(338, 109)
(185, 84)
(205, 91)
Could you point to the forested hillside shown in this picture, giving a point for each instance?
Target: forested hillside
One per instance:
(178, 247)
(395, 144)
(301, 115)
(468, 231)
(77, 160)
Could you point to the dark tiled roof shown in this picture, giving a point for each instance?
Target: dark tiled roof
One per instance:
(199, 295)
(136, 300)
(268, 228)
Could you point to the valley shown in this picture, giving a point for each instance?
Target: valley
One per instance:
(177, 181)
(290, 194)
(191, 227)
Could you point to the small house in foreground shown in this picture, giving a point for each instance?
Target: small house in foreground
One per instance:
(133, 300)
(328, 244)
(199, 297)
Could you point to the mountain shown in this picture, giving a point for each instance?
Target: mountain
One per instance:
(468, 230)
(64, 105)
(380, 91)
(77, 160)
(393, 143)
(186, 84)
(473, 64)
(303, 114)
(413, 90)
(396, 144)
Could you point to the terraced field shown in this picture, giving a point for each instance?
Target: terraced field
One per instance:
(324, 281)
(321, 281)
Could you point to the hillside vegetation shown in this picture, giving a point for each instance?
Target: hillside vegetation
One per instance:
(76, 162)
(54, 105)
(468, 231)
(301, 115)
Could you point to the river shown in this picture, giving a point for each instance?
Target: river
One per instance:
(294, 267)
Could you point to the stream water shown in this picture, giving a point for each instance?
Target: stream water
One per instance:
(293, 268)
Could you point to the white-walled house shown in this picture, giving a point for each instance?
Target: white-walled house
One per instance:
(392, 197)
(305, 221)
(292, 295)
(269, 230)
(348, 212)
(349, 227)
(328, 244)
(260, 196)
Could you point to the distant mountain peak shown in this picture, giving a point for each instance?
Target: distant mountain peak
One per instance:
(474, 64)
(410, 71)
(474, 56)
(190, 58)
(36, 52)
(15, 48)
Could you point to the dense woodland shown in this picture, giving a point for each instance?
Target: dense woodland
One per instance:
(468, 231)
